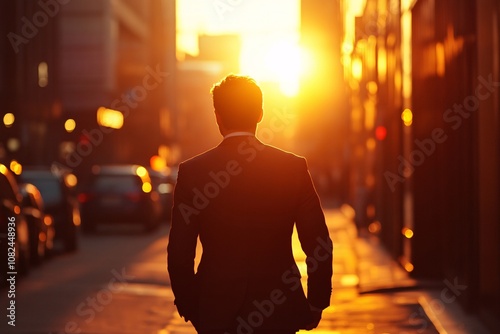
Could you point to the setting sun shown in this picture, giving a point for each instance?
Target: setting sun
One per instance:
(283, 63)
(269, 34)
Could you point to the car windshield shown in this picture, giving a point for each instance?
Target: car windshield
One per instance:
(116, 183)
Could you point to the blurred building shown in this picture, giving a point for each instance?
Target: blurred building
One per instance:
(118, 55)
(323, 124)
(223, 49)
(28, 81)
(424, 92)
(79, 57)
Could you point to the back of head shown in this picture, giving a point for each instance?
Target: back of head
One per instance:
(238, 102)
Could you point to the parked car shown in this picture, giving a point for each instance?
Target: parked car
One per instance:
(14, 234)
(162, 183)
(60, 200)
(119, 194)
(40, 227)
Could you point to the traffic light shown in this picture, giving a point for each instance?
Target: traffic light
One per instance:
(380, 132)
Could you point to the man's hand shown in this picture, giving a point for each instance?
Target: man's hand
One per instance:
(316, 314)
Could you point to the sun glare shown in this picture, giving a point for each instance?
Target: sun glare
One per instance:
(280, 61)
(283, 62)
(269, 32)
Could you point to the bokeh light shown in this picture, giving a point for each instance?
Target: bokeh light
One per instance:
(110, 118)
(141, 171)
(407, 117)
(70, 125)
(9, 119)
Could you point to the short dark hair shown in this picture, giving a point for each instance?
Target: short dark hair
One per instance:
(237, 100)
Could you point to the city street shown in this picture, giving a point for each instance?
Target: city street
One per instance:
(117, 283)
(394, 105)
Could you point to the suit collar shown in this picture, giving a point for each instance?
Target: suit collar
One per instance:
(239, 134)
(236, 140)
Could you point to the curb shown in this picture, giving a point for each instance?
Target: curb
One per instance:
(449, 318)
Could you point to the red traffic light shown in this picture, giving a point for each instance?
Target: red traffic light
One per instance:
(380, 132)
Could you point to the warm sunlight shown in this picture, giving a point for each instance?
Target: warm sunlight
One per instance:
(269, 33)
(282, 61)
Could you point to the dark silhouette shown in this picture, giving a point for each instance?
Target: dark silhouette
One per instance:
(242, 199)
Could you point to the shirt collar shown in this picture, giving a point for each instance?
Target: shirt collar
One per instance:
(238, 134)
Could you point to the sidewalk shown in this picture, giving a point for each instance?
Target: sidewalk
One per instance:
(384, 299)
(372, 293)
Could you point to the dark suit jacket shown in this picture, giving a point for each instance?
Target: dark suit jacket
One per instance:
(242, 199)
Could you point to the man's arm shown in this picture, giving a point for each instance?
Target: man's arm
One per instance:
(182, 249)
(315, 241)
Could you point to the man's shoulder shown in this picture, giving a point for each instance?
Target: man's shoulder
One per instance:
(284, 154)
(248, 150)
(199, 158)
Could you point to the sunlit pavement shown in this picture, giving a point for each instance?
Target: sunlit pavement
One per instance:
(361, 265)
(117, 283)
(371, 293)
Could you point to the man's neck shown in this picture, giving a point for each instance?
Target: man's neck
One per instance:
(238, 133)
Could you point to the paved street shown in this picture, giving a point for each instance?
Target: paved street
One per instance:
(352, 312)
(393, 104)
(117, 284)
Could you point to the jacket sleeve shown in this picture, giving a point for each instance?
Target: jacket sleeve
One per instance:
(181, 250)
(315, 241)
